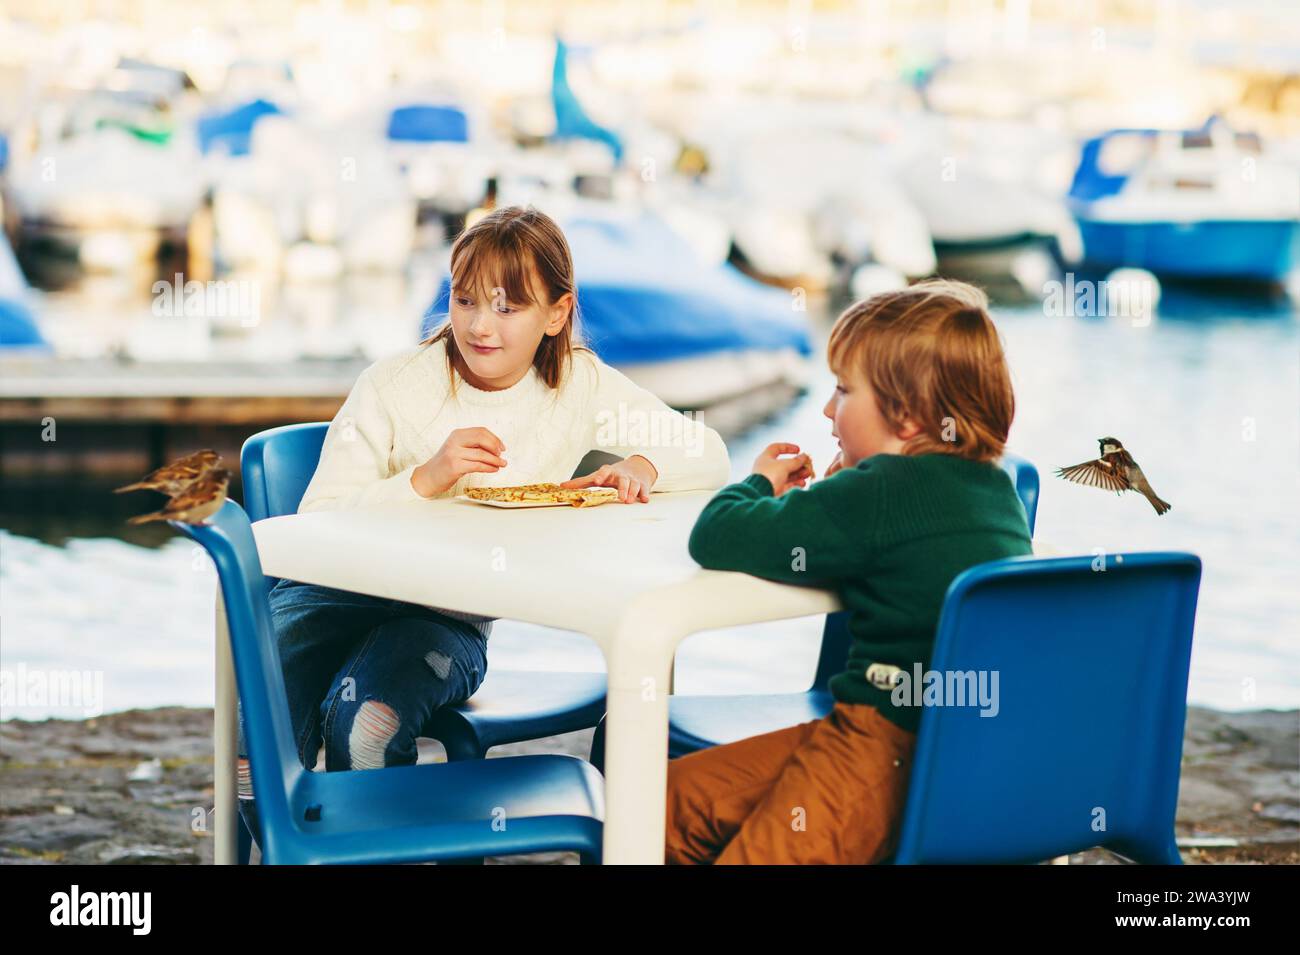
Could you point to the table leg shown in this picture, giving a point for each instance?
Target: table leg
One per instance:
(224, 742)
(639, 660)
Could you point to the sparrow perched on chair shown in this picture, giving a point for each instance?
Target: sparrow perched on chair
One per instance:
(195, 503)
(171, 479)
(1114, 471)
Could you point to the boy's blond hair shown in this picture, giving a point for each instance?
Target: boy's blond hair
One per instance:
(931, 352)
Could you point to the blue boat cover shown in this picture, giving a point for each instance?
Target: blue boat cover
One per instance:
(17, 326)
(17, 323)
(643, 296)
(233, 128)
(571, 120)
(428, 124)
(1089, 181)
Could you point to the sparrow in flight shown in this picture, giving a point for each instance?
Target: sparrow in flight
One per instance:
(195, 503)
(1114, 471)
(173, 478)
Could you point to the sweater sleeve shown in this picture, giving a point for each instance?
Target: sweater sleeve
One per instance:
(797, 538)
(353, 468)
(626, 419)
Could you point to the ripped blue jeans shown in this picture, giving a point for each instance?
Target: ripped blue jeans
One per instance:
(363, 675)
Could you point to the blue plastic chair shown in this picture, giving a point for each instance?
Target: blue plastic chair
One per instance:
(698, 722)
(1087, 741)
(510, 706)
(432, 812)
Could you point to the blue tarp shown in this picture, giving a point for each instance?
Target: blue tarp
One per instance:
(1089, 181)
(643, 296)
(428, 124)
(17, 326)
(17, 323)
(233, 128)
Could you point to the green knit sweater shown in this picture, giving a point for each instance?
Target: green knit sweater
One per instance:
(888, 535)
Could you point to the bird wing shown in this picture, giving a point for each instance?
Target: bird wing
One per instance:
(184, 469)
(1095, 474)
(199, 459)
(186, 473)
(189, 467)
(200, 492)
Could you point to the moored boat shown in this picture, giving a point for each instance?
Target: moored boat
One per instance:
(1206, 203)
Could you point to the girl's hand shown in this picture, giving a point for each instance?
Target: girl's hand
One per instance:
(835, 465)
(634, 477)
(784, 473)
(465, 451)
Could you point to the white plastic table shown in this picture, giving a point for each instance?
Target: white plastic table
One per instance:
(618, 573)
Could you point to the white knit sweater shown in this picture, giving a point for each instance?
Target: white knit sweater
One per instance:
(401, 410)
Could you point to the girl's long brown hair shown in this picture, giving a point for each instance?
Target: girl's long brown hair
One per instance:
(504, 251)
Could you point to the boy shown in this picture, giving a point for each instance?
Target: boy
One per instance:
(922, 406)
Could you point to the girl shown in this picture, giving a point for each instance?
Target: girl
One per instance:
(502, 394)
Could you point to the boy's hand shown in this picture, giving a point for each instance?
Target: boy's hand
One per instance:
(836, 465)
(784, 473)
(634, 477)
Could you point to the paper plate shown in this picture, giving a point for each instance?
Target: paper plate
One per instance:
(474, 500)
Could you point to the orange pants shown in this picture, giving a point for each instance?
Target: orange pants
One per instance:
(829, 791)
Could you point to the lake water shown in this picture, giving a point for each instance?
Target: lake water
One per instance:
(1206, 397)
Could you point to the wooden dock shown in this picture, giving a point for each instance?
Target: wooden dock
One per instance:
(106, 418)
(109, 418)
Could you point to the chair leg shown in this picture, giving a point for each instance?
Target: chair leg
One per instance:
(598, 747)
(225, 732)
(245, 845)
(461, 747)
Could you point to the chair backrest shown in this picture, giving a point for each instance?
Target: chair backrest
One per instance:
(1024, 476)
(277, 465)
(835, 635)
(277, 771)
(1084, 738)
